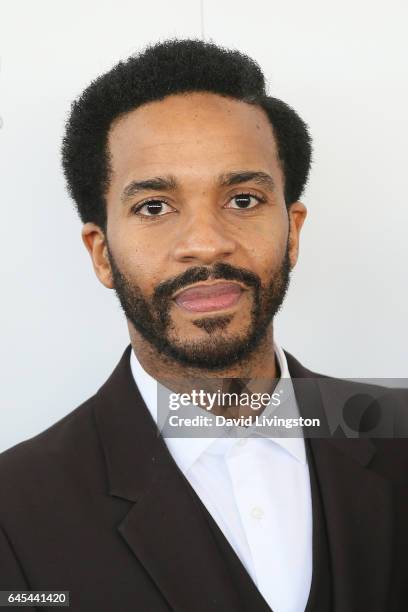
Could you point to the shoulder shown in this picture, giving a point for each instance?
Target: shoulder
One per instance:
(361, 413)
(63, 457)
(358, 392)
(52, 440)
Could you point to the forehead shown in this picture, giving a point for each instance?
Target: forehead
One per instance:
(192, 133)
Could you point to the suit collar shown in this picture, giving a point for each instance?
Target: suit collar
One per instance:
(132, 449)
(310, 389)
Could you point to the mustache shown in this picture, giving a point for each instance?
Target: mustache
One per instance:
(223, 271)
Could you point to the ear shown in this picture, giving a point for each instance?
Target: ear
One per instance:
(94, 239)
(297, 214)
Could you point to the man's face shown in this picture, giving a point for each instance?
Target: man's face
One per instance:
(197, 238)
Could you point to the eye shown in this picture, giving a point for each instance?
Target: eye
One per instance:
(152, 208)
(244, 201)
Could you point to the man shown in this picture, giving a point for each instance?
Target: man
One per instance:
(187, 177)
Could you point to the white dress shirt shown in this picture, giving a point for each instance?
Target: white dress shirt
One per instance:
(257, 489)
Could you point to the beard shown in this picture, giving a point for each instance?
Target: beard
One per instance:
(151, 316)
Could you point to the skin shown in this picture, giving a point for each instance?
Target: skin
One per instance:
(196, 138)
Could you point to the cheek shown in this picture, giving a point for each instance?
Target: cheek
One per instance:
(143, 273)
(140, 263)
(267, 251)
(269, 227)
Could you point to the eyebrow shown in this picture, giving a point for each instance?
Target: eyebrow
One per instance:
(169, 183)
(236, 178)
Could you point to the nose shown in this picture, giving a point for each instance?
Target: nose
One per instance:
(203, 240)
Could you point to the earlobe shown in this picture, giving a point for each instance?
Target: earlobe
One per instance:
(95, 242)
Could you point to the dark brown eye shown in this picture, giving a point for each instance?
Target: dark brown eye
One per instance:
(245, 201)
(152, 208)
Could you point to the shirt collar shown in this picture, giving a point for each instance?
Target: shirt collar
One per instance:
(185, 451)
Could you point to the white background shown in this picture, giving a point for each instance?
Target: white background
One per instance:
(341, 65)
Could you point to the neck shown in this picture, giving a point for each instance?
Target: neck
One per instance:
(261, 365)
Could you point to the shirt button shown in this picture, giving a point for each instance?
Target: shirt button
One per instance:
(257, 512)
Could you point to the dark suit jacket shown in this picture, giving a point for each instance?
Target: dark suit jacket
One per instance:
(96, 505)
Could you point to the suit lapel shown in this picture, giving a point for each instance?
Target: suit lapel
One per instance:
(357, 505)
(165, 527)
(168, 534)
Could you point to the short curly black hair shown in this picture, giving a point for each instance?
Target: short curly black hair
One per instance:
(171, 67)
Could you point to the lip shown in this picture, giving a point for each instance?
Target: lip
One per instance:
(206, 284)
(208, 297)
